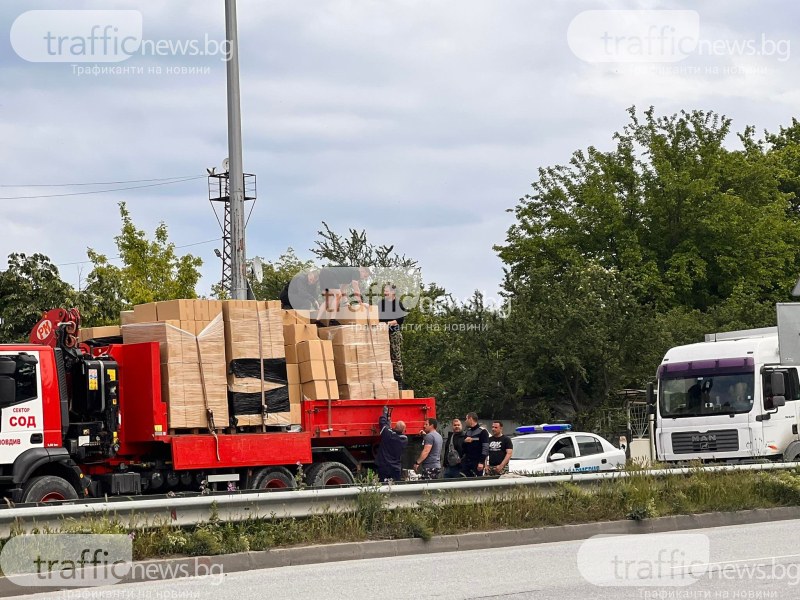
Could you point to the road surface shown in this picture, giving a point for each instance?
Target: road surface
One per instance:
(751, 561)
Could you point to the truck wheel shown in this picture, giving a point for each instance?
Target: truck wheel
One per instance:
(328, 474)
(274, 478)
(48, 488)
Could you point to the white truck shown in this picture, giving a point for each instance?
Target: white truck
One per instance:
(733, 398)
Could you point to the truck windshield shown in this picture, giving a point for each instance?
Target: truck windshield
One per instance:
(705, 395)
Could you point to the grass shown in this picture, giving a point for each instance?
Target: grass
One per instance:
(637, 497)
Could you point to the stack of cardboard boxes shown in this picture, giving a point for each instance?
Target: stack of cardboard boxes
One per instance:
(362, 361)
(309, 360)
(257, 375)
(192, 359)
(233, 357)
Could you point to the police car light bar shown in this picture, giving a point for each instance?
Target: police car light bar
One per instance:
(543, 428)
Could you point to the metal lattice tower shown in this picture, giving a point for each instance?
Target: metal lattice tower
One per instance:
(219, 196)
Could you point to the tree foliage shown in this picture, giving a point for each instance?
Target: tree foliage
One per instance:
(151, 271)
(620, 254)
(29, 286)
(275, 275)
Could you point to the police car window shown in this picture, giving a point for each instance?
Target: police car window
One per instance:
(588, 445)
(565, 447)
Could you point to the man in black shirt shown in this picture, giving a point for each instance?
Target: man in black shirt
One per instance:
(389, 459)
(476, 447)
(393, 314)
(332, 284)
(500, 450)
(453, 451)
(302, 292)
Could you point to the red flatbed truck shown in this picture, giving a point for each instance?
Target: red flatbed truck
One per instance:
(75, 423)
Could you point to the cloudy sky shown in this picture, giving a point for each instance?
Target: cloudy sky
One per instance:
(419, 121)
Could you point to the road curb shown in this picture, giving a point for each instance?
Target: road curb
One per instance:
(282, 557)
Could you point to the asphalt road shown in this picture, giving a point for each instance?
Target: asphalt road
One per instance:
(751, 561)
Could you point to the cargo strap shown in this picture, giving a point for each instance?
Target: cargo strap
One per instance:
(264, 407)
(209, 412)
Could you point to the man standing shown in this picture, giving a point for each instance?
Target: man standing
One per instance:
(429, 462)
(301, 293)
(333, 282)
(453, 451)
(500, 450)
(393, 314)
(476, 447)
(390, 452)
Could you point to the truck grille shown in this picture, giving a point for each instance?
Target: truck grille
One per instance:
(718, 440)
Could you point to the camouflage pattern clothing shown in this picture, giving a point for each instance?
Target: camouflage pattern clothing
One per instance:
(395, 350)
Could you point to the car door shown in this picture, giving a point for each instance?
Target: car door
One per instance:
(591, 456)
(565, 445)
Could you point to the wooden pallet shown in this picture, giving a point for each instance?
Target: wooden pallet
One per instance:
(195, 431)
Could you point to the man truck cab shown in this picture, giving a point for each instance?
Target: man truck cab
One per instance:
(734, 397)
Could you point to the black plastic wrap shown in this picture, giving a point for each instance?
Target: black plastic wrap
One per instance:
(241, 403)
(274, 369)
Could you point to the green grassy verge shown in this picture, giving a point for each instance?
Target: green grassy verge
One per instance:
(638, 497)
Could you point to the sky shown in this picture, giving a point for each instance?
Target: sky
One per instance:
(422, 122)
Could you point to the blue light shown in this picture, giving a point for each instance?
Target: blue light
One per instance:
(543, 428)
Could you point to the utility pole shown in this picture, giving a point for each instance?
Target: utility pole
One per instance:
(238, 289)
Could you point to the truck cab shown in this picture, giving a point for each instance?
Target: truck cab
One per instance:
(730, 398)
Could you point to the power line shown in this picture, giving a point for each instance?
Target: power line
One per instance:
(134, 187)
(81, 262)
(96, 182)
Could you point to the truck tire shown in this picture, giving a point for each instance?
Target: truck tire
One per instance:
(48, 488)
(274, 478)
(328, 474)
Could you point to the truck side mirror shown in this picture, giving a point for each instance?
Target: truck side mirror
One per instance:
(651, 399)
(778, 382)
(778, 401)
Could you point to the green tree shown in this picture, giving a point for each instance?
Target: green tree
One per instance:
(620, 254)
(276, 274)
(150, 271)
(29, 286)
(333, 249)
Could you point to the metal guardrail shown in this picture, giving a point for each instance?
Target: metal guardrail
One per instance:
(303, 503)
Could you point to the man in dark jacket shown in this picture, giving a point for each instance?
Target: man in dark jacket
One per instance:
(390, 451)
(476, 447)
(453, 451)
(302, 292)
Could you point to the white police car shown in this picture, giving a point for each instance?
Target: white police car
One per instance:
(554, 449)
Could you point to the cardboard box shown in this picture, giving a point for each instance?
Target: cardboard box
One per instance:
(145, 313)
(126, 317)
(252, 330)
(279, 419)
(90, 333)
(294, 334)
(295, 394)
(345, 354)
(363, 314)
(292, 373)
(296, 317)
(175, 310)
(296, 413)
(314, 350)
(320, 390)
(291, 354)
(347, 372)
(214, 309)
(317, 370)
(406, 394)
